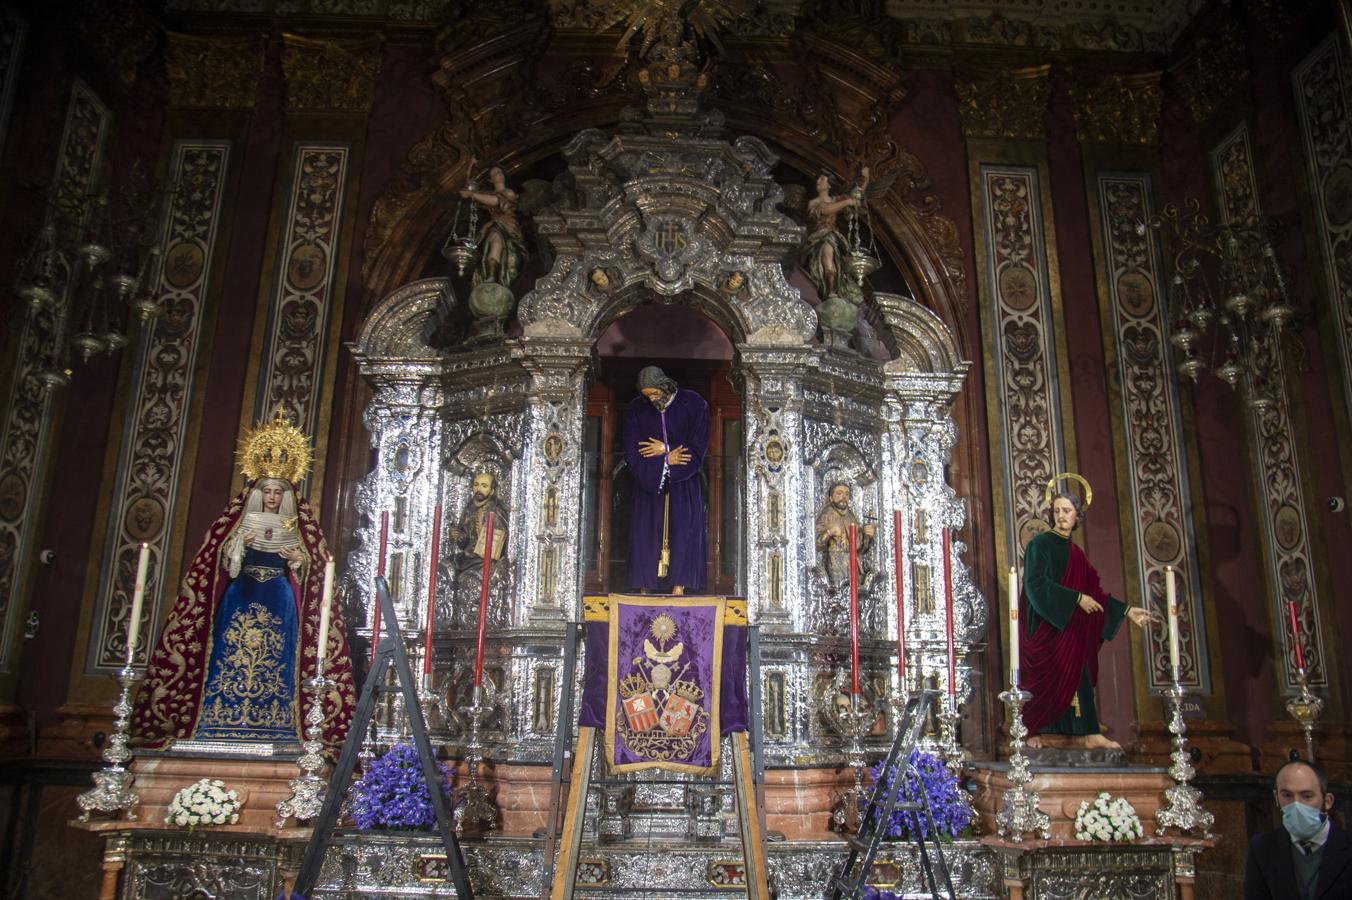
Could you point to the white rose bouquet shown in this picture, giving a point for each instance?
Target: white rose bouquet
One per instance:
(1107, 819)
(206, 802)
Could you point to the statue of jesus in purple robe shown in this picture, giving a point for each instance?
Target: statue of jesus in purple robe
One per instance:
(666, 434)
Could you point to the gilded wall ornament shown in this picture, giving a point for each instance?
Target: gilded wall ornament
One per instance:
(330, 76)
(1121, 109)
(214, 72)
(120, 33)
(1212, 72)
(1009, 104)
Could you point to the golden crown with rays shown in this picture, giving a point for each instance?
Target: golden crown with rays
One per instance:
(275, 449)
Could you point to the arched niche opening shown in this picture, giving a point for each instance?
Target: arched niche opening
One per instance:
(698, 354)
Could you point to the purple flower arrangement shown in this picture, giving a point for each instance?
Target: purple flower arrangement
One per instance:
(952, 812)
(392, 793)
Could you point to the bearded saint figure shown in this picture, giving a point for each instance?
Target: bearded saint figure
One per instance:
(833, 536)
(1069, 615)
(470, 535)
(241, 637)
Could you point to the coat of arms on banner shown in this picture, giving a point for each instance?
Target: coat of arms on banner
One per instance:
(664, 713)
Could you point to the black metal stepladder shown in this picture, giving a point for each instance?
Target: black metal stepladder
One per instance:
(389, 653)
(854, 872)
(748, 768)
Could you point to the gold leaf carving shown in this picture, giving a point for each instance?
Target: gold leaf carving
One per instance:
(1212, 72)
(329, 76)
(119, 33)
(1121, 109)
(1009, 104)
(214, 72)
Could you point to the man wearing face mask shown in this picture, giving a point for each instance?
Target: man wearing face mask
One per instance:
(1310, 856)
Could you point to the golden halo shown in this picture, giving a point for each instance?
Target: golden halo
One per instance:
(1051, 483)
(276, 449)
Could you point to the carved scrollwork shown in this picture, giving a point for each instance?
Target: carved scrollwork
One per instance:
(1121, 109)
(216, 72)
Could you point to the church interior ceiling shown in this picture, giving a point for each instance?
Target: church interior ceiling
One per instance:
(1126, 25)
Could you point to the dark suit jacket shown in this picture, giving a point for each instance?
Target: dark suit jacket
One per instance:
(1271, 875)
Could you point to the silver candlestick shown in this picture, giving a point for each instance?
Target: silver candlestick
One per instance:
(1183, 802)
(852, 716)
(1019, 812)
(475, 810)
(1305, 709)
(307, 789)
(955, 757)
(954, 754)
(112, 791)
(429, 700)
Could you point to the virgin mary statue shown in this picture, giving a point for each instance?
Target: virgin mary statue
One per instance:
(241, 639)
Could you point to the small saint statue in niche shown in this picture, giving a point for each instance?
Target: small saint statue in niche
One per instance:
(470, 535)
(833, 538)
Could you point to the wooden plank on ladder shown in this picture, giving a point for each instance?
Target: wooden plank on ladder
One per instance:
(753, 837)
(565, 870)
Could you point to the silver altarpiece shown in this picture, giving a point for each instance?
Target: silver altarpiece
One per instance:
(667, 211)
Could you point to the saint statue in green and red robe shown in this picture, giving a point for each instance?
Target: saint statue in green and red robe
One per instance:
(1069, 615)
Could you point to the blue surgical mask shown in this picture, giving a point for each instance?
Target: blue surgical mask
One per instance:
(1302, 822)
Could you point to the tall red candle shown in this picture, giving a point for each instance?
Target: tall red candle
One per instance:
(432, 590)
(901, 598)
(1295, 634)
(854, 609)
(483, 602)
(380, 571)
(948, 615)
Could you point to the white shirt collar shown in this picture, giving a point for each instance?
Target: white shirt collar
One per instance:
(1320, 837)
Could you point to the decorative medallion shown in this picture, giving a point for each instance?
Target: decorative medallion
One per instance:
(159, 418)
(1147, 423)
(302, 303)
(1018, 311)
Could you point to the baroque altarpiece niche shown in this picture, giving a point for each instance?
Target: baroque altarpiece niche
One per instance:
(664, 242)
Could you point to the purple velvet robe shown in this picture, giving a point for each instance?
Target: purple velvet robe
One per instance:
(686, 422)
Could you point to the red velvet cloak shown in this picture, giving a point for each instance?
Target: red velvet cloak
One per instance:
(1064, 639)
(169, 701)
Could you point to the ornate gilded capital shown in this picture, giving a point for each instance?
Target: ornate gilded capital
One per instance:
(119, 33)
(1212, 72)
(214, 72)
(1010, 103)
(329, 76)
(1121, 109)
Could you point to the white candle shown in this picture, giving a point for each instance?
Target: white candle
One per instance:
(324, 616)
(1171, 599)
(137, 598)
(1013, 628)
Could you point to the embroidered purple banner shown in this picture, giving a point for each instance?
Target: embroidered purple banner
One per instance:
(664, 678)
